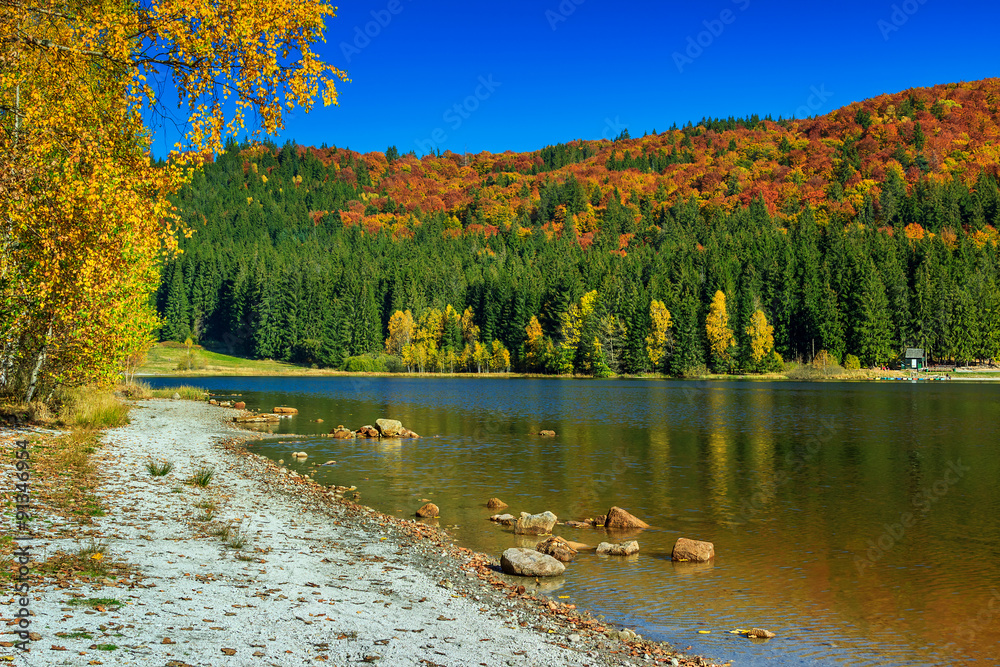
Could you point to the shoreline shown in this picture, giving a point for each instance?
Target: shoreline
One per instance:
(317, 574)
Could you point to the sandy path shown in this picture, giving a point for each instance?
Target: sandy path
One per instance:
(327, 582)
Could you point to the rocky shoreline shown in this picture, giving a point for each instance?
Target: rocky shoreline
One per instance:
(263, 566)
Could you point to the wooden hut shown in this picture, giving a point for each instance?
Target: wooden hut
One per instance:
(914, 359)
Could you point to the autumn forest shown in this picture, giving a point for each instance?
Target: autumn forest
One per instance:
(726, 244)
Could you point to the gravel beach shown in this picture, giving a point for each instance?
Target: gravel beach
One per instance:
(303, 576)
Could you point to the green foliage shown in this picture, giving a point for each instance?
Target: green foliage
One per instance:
(852, 363)
(290, 276)
(367, 363)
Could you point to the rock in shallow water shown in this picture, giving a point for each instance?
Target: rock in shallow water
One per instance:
(505, 519)
(623, 549)
(558, 548)
(530, 563)
(389, 428)
(535, 524)
(495, 504)
(619, 519)
(428, 511)
(693, 550)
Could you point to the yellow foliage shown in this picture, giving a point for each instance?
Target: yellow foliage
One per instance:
(87, 220)
(400, 332)
(720, 336)
(470, 332)
(761, 336)
(658, 339)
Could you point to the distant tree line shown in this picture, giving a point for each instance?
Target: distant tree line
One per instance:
(273, 271)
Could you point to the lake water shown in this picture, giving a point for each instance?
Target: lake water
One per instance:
(858, 521)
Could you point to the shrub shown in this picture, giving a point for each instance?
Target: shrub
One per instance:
(773, 363)
(852, 363)
(365, 364)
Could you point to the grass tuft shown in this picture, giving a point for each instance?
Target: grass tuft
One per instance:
(221, 530)
(202, 477)
(237, 538)
(159, 468)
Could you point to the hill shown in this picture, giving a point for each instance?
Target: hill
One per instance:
(860, 232)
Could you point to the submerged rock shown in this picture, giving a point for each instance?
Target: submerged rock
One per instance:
(428, 511)
(496, 504)
(407, 433)
(535, 524)
(579, 524)
(558, 548)
(693, 550)
(530, 563)
(342, 433)
(285, 411)
(504, 519)
(760, 633)
(547, 434)
(619, 519)
(622, 549)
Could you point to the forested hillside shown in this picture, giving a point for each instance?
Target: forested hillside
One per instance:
(860, 232)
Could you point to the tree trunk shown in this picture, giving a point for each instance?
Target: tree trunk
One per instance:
(39, 360)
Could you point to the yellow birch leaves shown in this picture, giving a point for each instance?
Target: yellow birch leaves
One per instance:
(720, 337)
(658, 340)
(761, 337)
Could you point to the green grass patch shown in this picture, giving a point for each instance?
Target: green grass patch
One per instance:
(159, 468)
(95, 602)
(104, 647)
(74, 635)
(202, 477)
(170, 358)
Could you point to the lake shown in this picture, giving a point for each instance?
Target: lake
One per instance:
(858, 521)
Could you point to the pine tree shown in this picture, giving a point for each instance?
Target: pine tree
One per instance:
(176, 320)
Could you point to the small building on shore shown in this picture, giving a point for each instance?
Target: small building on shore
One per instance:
(914, 359)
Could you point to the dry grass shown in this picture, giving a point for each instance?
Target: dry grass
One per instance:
(186, 392)
(71, 479)
(91, 408)
(137, 390)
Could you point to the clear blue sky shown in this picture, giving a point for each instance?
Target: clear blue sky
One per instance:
(528, 74)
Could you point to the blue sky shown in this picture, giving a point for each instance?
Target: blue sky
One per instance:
(522, 75)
